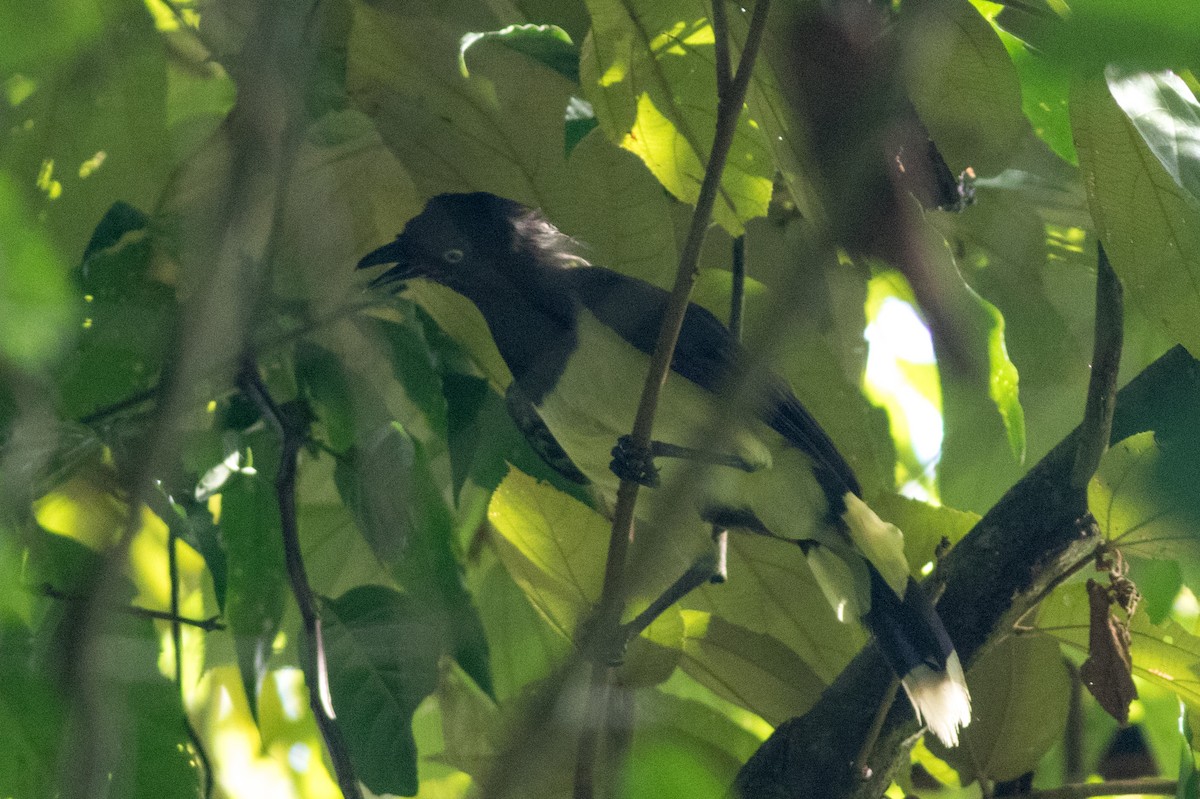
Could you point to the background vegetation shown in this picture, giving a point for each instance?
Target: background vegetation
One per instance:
(214, 443)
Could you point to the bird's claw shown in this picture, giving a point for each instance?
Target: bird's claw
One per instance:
(631, 462)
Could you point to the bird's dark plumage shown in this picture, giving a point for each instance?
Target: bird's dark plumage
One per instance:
(577, 337)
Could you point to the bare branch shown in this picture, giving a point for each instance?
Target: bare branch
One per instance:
(208, 625)
(612, 598)
(1106, 360)
(291, 436)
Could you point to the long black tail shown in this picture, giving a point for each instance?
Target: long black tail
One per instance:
(919, 650)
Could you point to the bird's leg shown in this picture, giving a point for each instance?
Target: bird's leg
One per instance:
(709, 567)
(631, 463)
(661, 449)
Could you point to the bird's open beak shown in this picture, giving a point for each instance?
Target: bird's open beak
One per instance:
(400, 253)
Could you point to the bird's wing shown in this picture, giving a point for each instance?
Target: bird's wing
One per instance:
(540, 439)
(709, 356)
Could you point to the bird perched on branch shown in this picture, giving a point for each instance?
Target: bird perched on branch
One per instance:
(577, 339)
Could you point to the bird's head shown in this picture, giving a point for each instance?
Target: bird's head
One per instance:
(459, 235)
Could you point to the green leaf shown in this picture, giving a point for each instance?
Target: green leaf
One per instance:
(1149, 225)
(35, 306)
(33, 716)
(670, 769)
(321, 379)
(1002, 381)
(1020, 689)
(710, 733)
(472, 726)
(396, 503)
(57, 31)
(750, 669)
(93, 129)
(924, 526)
(553, 546)
(963, 85)
(499, 130)
(771, 591)
(191, 522)
(547, 44)
(1143, 497)
(128, 317)
(1158, 581)
(1044, 89)
(1166, 655)
(257, 591)
(647, 69)
(1164, 111)
(1091, 34)
(401, 511)
(382, 653)
(1189, 776)
(579, 120)
(414, 364)
(523, 648)
(975, 370)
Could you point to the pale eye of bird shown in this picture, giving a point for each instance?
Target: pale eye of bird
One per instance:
(452, 256)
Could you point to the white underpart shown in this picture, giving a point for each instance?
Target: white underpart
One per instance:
(940, 699)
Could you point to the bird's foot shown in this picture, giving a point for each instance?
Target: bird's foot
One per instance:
(631, 462)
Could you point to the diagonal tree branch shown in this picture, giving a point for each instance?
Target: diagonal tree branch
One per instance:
(1039, 530)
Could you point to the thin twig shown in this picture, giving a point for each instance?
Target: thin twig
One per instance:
(885, 705)
(291, 438)
(612, 597)
(1096, 429)
(1083, 790)
(120, 405)
(177, 644)
(720, 29)
(266, 345)
(699, 574)
(208, 625)
(737, 290)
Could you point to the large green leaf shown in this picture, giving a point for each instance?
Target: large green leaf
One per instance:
(35, 307)
(1020, 690)
(963, 85)
(647, 68)
(257, 588)
(401, 511)
(1150, 226)
(500, 129)
(546, 44)
(1087, 35)
(1144, 500)
(523, 648)
(1166, 654)
(1044, 89)
(751, 669)
(981, 404)
(92, 127)
(382, 651)
(128, 316)
(924, 526)
(33, 716)
(1164, 111)
(553, 546)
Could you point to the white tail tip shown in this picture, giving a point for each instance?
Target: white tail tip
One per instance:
(940, 699)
